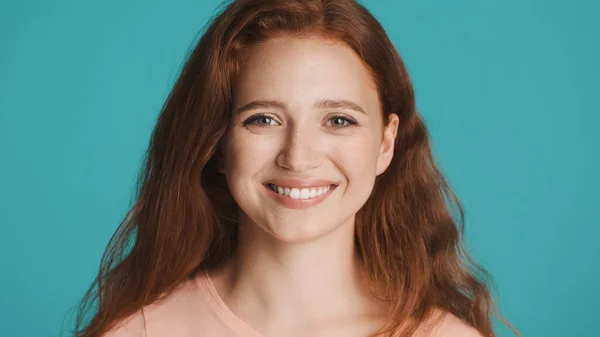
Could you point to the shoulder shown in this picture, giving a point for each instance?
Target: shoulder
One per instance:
(174, 311)
(452, 326)
(132, 326)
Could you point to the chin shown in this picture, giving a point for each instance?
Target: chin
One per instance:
(302, 231)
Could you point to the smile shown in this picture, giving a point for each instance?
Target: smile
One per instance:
(300, 193)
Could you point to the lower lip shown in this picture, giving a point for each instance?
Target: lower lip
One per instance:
(299, 203)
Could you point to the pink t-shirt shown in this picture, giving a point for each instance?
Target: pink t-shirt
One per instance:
(195, 309)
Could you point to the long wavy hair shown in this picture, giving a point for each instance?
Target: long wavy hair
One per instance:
(408, 234)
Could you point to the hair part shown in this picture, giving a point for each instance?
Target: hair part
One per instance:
(184, 218)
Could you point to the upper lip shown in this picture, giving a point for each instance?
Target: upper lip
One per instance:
(300, 183)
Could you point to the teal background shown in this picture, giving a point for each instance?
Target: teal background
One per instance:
(509, 89)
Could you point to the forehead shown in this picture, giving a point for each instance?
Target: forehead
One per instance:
(302, 70)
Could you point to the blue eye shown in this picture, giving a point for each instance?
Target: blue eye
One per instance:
(260, 120)
(341, 122)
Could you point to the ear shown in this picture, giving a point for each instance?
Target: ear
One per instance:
(386, 151)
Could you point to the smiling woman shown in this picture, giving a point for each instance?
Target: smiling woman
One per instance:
(290, 190)
(314, 117)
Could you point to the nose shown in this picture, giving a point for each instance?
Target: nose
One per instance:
(301, 151)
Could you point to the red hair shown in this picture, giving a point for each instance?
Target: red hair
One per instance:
(184, 217)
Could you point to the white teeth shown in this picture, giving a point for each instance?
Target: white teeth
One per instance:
(300, 193)
(304, 193)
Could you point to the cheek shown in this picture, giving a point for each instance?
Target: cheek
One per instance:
(246, 154)
(357, 157)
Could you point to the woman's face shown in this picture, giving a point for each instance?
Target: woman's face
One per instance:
(306, 140)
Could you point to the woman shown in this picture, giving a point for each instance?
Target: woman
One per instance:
(290, 190)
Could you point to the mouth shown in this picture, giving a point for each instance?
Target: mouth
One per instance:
(301, 193)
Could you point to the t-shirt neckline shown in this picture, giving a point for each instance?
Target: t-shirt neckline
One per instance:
(222, 310)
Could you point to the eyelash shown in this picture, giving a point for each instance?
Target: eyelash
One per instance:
(253, 119)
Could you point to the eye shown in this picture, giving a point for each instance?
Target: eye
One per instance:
(260, 120)
(341, 122)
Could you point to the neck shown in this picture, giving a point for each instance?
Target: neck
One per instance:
(291, 283)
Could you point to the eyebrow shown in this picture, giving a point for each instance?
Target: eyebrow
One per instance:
(321, 104)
